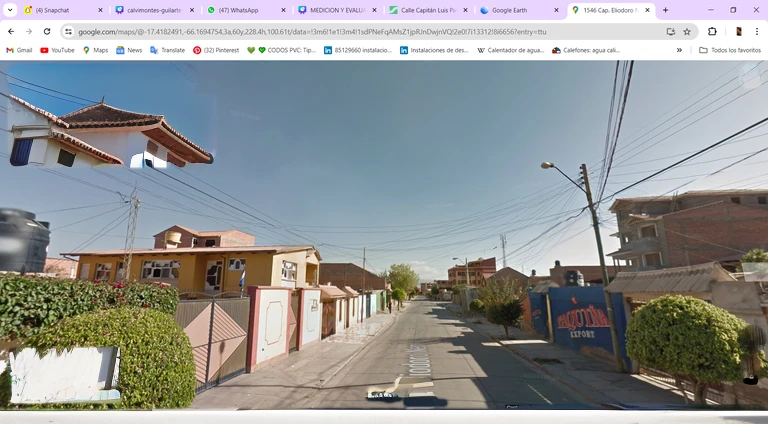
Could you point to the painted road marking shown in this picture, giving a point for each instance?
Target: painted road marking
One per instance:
(422, 385)
(540, 395)
(424, 394)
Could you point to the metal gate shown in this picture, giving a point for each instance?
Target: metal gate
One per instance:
(217, 328)
(293, 327)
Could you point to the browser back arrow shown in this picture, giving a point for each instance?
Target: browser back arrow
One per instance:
(10, 31)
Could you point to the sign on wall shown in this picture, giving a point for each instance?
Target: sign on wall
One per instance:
(582, 322)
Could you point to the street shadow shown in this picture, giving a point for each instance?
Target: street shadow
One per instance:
(500, 369)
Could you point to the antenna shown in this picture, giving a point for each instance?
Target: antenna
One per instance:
(504, 250)
(130, 234)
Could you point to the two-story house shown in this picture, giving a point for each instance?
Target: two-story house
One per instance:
(478, 271)
(208, 261)
(691, 228)
(96, 135)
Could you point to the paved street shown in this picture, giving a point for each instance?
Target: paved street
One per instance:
(441, 364)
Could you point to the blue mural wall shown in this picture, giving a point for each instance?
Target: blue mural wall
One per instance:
(580, 320)
(539, 314)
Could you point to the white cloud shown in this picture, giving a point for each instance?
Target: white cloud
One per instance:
(426, 272)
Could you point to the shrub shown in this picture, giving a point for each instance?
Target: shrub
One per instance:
(435, 291)
(29, 304)
(500, 292)
(689, 339)
(457, 289)
(476, 305)
(157, 368)
(505, 314)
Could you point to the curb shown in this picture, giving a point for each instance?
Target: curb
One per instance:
(532, 362)
(354, 355)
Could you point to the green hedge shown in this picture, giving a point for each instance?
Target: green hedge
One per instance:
(157, 368)
(29, 304)
(476, 305)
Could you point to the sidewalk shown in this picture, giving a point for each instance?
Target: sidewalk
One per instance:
(289, 382)
(593, 379)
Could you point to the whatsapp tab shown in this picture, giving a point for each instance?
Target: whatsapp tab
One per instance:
(611, 12)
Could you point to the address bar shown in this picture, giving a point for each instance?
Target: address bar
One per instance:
(374, 31)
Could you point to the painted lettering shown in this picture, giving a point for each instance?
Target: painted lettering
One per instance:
(590, 317)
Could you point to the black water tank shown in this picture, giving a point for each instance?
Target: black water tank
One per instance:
(23, 241)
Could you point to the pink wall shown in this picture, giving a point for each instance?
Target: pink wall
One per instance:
(310, 320)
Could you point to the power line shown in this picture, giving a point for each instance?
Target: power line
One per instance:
(75, 208)
(46, 94)
(105, 229)
(610, 122)
(46, 88)
(87, 219)
(687, 158)
(618, 129)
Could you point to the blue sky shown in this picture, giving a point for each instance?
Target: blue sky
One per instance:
(403, 158)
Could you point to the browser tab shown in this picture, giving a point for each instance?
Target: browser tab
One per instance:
(611, 12)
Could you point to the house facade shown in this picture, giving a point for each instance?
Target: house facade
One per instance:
(689, 229)
(96, 135)
(213, 269)
(178, 236)
(478, 270)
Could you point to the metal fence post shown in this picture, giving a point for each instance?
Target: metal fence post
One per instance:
(210, 342)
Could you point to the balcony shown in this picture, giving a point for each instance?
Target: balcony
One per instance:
(637, 247)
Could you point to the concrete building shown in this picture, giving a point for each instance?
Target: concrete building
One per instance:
(478, 270)
(691, 228)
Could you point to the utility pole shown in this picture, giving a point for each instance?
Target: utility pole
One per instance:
(365, 297)
(504, 250)
(608, 301)
(466, 266)
(130, 235)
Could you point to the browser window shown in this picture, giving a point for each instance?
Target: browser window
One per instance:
(441, 205)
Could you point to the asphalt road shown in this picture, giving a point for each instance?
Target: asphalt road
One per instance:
(441, 364)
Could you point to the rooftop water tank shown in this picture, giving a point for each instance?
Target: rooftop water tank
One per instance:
(23, 241)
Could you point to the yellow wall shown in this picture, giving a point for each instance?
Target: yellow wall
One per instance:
(262, 269)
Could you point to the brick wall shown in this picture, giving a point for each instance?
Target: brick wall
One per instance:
(237, 239)
(714, 232)
(186, 238)
(350, 275)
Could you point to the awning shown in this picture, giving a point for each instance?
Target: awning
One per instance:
(689, 279)
(350, 291)
(331, 292)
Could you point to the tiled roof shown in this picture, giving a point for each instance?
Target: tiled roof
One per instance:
(102, 115)
(351, 291)
(51, 117)
(86, 148)
(689, 279)
(267, 249)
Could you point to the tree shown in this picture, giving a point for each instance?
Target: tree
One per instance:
(690, 339)
(398, 295)
(753, 256)
(500, 293)
(506, 314)
(402, 276)
(435, 291)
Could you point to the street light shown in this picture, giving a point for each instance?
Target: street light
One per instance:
(466, 267)
(608, 302)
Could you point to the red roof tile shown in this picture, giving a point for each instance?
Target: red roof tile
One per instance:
(51, 117)
(86, 148)
(102, 115)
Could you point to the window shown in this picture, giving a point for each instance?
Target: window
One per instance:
(652, 259)
(210, 243)
(649, 231)
(236, 264)
(735, 199)
(120, 273)
(160, 269)
(195, 241)
(66, 158)
(85, 270)
(289, 271)
(22, 148)
(762, 200)
(103, 272)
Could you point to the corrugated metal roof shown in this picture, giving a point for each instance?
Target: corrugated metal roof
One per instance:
(689, 279)
(331, 292)
(544, 286)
